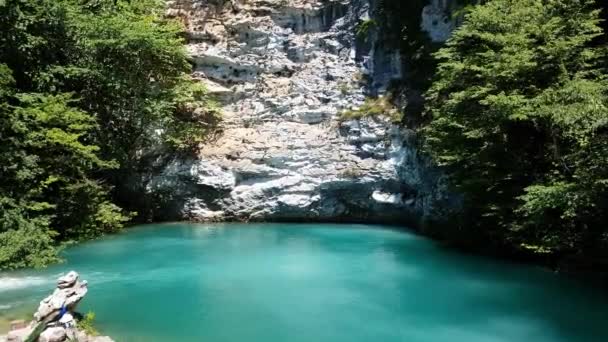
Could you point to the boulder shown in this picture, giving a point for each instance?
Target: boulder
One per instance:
(53, 334)
(18, 335)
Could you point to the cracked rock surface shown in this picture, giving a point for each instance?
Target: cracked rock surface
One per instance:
(283, 71)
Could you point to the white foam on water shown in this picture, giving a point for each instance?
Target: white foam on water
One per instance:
(15, 283)
(5, 306)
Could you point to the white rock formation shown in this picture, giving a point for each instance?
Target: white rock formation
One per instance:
(284, 70)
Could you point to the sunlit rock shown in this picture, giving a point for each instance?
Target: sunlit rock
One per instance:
(284, 71)
(67, 280)
(54, 334)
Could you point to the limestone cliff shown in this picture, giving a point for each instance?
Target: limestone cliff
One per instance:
(283, 70)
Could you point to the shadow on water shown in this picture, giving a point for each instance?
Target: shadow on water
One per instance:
(496, 290)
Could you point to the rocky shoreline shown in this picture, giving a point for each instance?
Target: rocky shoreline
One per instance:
(56, 319)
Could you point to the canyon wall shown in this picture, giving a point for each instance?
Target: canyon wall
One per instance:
(283, 71)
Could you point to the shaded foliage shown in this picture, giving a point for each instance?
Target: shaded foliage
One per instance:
(85, 88)
(519, 120)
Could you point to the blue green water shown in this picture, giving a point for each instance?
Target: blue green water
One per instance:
(287, 282)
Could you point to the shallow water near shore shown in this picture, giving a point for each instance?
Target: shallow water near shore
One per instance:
(309, 282)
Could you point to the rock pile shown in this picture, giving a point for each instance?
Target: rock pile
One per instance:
(68, 293)
(54, 320)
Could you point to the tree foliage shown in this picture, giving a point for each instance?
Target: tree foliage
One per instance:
(519, 119)
(85, 87)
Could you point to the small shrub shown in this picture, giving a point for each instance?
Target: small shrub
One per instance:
(344, 88)
(380, 106)
(351, 172)
(87, 324)
(364, 27)
(30, 246)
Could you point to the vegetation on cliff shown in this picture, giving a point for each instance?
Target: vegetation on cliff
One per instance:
(519, 119)
(85, 87)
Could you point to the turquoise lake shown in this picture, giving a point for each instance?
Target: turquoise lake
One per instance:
(309, 282)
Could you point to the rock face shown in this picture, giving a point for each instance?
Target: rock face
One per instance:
(284, 70)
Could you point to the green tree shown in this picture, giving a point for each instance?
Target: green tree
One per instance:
(87, 87)
(131, 72)
(46, 165)
(519, 115)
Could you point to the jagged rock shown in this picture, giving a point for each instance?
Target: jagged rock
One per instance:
(293, 66)
(67, 280)
(53, 334)
(217, 90)
(311, 116)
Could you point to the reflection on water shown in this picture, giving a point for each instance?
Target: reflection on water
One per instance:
(287, 282)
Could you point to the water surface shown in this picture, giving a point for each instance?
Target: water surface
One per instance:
(288, 282)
